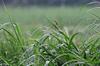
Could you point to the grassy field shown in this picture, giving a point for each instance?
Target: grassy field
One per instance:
(31, 16)
(50, 36)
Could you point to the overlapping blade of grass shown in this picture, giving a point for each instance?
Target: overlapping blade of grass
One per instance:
(64, 49)
(12, 46)
(53, 49)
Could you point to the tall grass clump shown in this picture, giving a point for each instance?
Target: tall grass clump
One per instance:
(11, 44)
(62, 49)
(55, 47)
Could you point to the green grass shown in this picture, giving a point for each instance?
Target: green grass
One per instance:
(58, 43)
(54, 48)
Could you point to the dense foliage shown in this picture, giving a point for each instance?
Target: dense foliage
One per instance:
(55, 47)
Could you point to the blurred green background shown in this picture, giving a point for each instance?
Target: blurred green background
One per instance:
(32, 13)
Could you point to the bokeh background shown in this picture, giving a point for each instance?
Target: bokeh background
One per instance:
(34, 13)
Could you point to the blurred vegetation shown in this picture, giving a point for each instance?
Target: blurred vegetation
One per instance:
(45, 2)
(33, 16)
